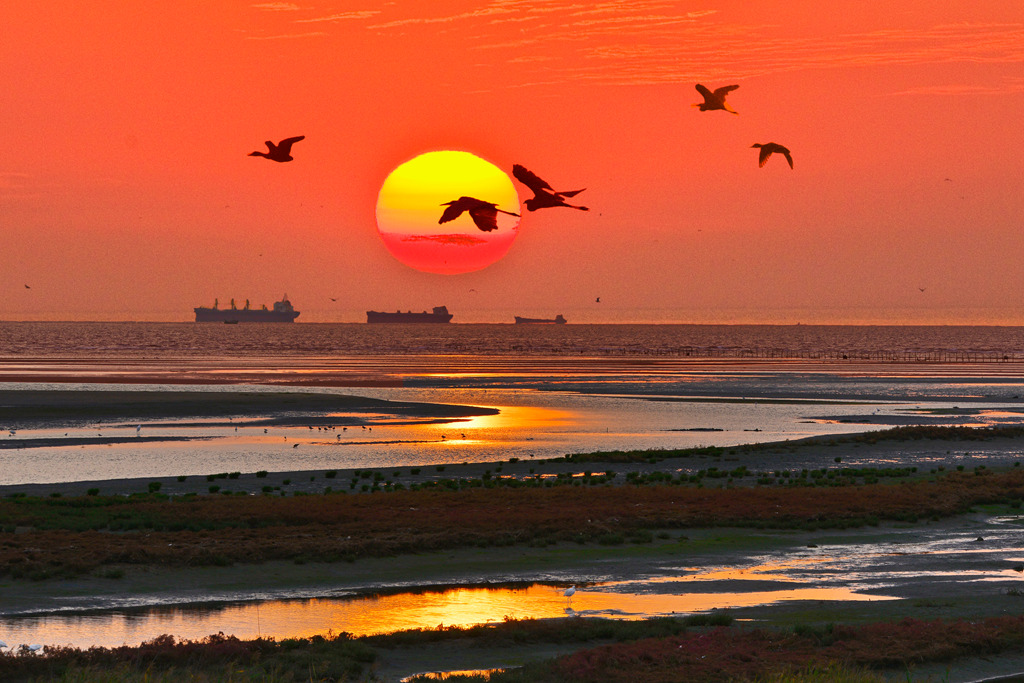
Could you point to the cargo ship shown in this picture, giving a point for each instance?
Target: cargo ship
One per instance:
(281, 313)
(557, 320)
(440, 314)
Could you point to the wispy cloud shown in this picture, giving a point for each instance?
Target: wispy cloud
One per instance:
(454, 239)
(664, 52)
(956, 89)
(631, 42)
(277, 6)
(445, 18)
(342, 16)
(285, 36)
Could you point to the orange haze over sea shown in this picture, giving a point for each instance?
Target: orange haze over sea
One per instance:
(126, 192)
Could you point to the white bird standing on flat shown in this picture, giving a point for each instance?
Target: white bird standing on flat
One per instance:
(569, 592)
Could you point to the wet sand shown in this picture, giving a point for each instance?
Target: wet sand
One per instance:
(797, 454)
(56, 408)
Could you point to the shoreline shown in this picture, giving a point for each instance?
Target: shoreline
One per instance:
(825, 451)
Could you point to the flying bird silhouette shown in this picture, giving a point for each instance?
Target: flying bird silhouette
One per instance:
(280, 152)
(544, 196)
(768, 148)
(484, 214)
(716, 99)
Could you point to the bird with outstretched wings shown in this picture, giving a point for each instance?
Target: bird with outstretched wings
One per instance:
(484, 214)
(769, 148)
(544, 196)
(280, 152)
(715, 100)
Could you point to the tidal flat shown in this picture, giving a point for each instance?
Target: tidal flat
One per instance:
(909, 523)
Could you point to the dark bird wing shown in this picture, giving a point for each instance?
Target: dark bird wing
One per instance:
(763, 156)
(704, 91)
(725, 90)
(286, 144)
(570, 193)
(785, 153)
(485, 217)
(453, 211)
(531, 180)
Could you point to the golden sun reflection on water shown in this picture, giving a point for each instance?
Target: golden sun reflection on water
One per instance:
(460, 607)
(515, 418)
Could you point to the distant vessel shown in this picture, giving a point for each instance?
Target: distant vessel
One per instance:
(440, 315)
(557, 320)
(281, 313)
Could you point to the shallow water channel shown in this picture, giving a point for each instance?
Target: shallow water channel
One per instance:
(972, 556)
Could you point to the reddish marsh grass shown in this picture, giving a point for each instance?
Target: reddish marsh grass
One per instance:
(746, 655)
(74, 535)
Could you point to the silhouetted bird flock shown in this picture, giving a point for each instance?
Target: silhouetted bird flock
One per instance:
(485, 214)
(716, 100)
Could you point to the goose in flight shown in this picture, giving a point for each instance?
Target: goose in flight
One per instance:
(768, 148)
(484, 214)
(280, 152)
(716, 99)
(543, 195)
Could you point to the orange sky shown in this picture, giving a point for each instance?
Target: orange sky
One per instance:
(126, 192)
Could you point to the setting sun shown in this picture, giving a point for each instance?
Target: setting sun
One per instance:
(410, 205)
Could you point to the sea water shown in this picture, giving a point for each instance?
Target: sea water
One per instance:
(558, 389)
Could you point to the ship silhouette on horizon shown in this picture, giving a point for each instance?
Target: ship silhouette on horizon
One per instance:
(282, 312)
(440, 314)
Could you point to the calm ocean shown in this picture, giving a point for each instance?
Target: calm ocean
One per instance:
(168, 340)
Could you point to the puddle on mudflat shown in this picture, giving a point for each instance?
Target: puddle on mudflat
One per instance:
(907, 562)
(387, 613)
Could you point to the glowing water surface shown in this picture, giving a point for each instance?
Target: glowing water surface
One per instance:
(387, 613)
(529, 424)
(979, 556)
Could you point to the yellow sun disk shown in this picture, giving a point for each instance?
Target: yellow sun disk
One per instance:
(412, 196)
